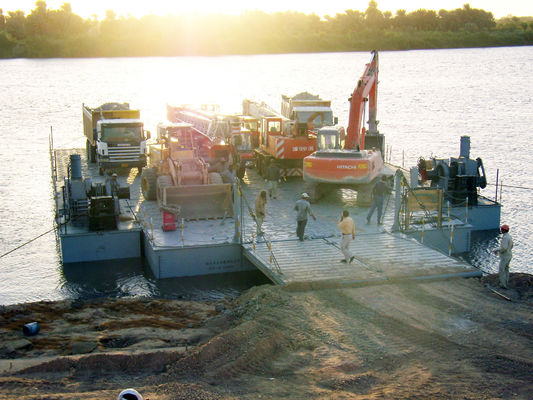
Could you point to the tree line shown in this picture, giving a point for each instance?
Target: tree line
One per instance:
(62, 33)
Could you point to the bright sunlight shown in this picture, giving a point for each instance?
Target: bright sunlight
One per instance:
(163, 7)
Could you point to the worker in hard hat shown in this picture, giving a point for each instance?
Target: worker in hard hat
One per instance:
(302, 208)
(114, 184)
(506, 254)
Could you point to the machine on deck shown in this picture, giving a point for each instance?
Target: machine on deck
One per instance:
(351, 158)
(89, 203)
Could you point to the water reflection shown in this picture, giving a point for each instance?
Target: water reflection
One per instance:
(133, 278)
(481, 254)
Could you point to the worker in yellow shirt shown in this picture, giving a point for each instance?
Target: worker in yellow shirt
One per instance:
(347, 227)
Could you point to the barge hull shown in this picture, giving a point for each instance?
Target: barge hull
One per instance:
(100, 245)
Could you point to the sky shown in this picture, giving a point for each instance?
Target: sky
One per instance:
(86, 8)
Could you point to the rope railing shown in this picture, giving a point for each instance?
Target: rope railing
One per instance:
(272, 258)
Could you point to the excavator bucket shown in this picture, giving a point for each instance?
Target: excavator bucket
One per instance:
(199, 201)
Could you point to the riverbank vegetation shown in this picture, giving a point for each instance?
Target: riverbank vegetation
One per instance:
(62, 33)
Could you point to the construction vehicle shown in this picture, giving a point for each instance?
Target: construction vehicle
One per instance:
(228, 138)
(309, 110)
(115, 136)
(179, 178)
(352, 158)
(250, 128)
(280, 140)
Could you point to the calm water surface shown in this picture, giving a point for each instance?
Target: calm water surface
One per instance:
(427, 100)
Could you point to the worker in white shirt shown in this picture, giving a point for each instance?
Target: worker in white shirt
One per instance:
(505, 251)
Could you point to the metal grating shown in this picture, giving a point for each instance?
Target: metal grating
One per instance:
(380, 256)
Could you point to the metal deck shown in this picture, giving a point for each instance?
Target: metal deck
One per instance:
(203, 247)
(378, 257)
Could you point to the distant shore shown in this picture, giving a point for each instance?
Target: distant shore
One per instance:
(62, 34)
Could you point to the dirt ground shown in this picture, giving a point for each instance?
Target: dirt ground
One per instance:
(447, 339)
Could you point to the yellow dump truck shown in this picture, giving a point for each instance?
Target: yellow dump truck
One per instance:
(115, 136)
(180, 179)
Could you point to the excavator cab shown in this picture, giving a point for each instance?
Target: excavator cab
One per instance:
(330, 138)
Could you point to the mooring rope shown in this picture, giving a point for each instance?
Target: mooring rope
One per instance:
(24, 244)
(511, 186)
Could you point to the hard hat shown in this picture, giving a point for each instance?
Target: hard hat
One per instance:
(129, 394)
(504, 228)
(305, 196)
(114, 175)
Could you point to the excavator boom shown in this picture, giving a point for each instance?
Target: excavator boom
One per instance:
(351, 164)
(366, 88)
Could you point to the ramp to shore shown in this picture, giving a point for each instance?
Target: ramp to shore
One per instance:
(378, 257)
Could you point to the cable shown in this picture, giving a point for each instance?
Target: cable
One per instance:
(24, 244)
(511, 186)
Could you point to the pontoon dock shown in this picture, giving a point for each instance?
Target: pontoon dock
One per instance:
(211, 246)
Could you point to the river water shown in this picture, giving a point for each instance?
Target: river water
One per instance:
(427, 100)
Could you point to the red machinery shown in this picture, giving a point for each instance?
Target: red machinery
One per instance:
(280, 140)
(229, 139)
(353, 159)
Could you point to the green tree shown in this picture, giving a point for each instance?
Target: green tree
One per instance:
(400, 21)
(2, 20)
(374, 18)
(423, 20)
(349, 21)
(37, 23)
(64, 23)
(16, 24)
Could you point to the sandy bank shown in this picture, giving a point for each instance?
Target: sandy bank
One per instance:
(445, 339)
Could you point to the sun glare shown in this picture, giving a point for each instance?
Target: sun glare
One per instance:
(98, 8)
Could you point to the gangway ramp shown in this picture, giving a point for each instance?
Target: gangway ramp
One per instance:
(378, 257)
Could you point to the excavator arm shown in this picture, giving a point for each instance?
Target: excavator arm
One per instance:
(366, 89)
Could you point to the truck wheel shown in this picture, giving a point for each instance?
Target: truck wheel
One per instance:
(91, 152)
(162, 182)
(214, 178)
(149, 183)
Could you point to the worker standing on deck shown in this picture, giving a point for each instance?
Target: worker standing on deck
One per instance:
(273, 176)
(506, 254)
(378, 194)
(347, 227)
(302, 208)
(260, 203)
(114, 185)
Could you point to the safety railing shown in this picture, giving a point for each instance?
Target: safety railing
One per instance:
(272, 258)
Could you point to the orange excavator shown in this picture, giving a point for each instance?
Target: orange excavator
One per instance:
(352, 159)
